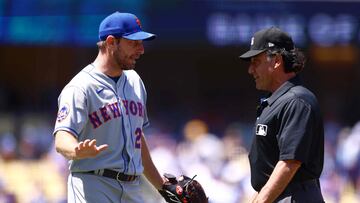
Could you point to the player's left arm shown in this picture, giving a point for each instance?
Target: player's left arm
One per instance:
(283, 172)
(150, 171)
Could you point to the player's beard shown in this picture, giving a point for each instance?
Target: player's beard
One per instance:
(122, 61)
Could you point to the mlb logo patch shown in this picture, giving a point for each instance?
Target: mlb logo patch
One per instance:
(261, 129)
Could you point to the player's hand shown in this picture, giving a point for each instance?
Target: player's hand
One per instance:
(88, 149)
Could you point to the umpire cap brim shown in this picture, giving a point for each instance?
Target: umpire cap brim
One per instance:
(251, 53)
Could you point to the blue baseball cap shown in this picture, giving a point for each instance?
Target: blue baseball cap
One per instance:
(125, 25)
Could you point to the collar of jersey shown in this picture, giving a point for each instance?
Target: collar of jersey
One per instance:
(106, 80)
(283, 89)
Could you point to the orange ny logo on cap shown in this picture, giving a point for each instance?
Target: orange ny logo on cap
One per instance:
(138, 22)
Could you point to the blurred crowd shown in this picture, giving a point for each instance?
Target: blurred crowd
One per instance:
(32, 172)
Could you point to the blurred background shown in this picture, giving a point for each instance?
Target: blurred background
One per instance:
(201, 101)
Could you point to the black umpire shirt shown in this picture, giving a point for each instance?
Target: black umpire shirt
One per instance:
(289, 126)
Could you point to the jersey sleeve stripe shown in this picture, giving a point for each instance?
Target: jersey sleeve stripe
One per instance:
(70, 130)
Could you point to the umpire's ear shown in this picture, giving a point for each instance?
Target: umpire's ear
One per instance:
(278, 61)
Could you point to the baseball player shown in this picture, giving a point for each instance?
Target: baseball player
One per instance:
(101, 117)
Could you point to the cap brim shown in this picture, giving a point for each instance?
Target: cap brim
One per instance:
(251, 53)
(140, 36)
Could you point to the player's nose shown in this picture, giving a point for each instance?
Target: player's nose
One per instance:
(140, 47)
(142, 50)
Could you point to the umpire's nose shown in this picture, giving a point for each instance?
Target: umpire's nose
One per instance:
(251, 69)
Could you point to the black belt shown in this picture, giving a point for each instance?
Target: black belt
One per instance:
(312, 186)
(302, 184)
(119, 176)
(294, 186)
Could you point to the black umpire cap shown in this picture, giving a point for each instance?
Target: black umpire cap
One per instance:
(266, 39)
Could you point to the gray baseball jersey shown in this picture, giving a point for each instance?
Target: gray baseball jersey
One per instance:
(93, 106)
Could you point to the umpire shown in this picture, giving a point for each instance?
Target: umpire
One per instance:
(287, 152)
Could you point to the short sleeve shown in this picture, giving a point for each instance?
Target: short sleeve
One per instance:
(72, 112)
(295, 133)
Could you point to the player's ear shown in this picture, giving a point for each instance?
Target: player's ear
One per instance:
(110, 40)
